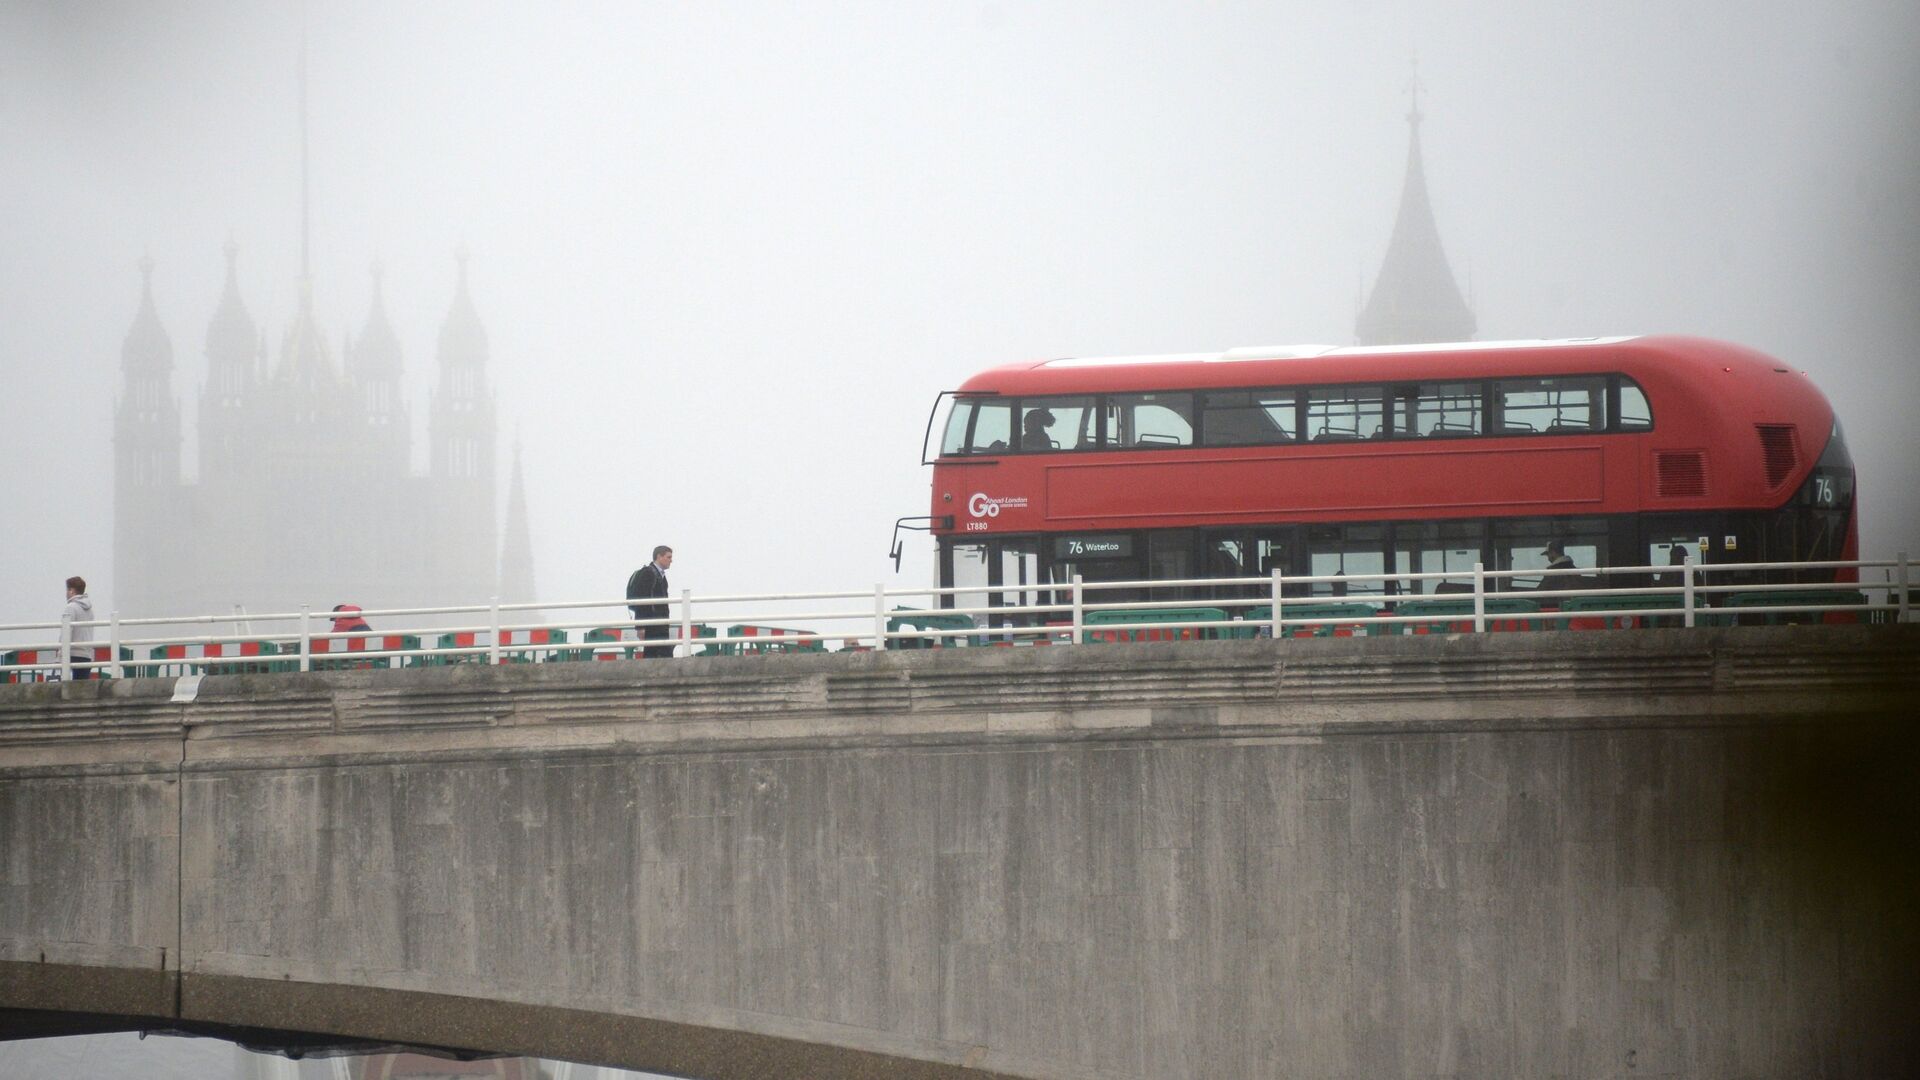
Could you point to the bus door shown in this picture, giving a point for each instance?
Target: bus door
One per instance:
(1009, 568)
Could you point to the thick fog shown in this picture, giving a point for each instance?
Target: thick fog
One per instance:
(728, 253)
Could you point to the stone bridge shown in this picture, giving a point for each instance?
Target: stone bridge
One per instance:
(1652, 853)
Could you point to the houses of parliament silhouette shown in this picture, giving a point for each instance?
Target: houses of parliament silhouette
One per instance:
(305, 493)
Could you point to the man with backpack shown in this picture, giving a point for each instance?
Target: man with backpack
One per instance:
(650, 583)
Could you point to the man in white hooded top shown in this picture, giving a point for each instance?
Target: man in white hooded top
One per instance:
(79, 610)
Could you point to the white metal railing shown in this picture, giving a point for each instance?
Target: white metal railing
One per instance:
(1076, 611)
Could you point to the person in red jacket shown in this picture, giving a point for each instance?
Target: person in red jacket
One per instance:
(347, 619)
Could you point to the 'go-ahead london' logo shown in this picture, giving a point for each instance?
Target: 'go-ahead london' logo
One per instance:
(984, 505)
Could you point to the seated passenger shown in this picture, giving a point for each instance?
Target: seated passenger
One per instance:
(1560, 568)
(1033, 435)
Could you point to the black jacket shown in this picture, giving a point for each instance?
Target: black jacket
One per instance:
(648, 583)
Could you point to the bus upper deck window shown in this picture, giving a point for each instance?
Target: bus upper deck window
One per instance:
(1247, 417)
(1149, 420)
(1057, 423)
(991, 431)
(1635, 413)
(1346, 413)
(1441, 410)
(1561, 405)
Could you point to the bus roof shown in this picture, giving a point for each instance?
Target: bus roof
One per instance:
(1305, 352)
(1329, 364)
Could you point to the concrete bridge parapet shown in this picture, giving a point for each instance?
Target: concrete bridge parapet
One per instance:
(1646, 853)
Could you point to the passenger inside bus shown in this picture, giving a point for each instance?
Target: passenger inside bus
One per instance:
(1033, 435)
(1561, 571)
(1676, 558)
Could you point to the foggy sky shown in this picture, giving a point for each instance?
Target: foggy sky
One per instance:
(728, 253)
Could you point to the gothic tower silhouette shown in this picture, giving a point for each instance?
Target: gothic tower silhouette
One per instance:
(1415, 298)
(305, 493)
(148, 512)
(460, 431)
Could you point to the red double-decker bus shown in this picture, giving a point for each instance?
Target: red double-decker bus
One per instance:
(1321, 461)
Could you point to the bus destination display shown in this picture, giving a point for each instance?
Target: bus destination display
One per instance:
(1102, 546)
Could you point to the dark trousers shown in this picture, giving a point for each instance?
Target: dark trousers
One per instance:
(653, 633)
(657, 633)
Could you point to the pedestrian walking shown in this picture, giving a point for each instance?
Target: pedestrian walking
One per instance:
(650, 583)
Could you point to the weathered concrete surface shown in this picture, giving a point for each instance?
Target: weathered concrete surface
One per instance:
(1662, 853)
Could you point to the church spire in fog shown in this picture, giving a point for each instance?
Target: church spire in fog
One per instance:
(306, 264)
(516, 543)
(1415, 298)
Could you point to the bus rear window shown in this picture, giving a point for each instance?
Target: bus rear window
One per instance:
(1563, 405)
(1635, 413)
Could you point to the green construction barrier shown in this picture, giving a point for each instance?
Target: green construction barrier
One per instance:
(1329, 620)
(1595, 612)
(600, 639)
(700, 630)
(916, 619)
(1148, 624)
(1455, 616)
(766, 640)
(603, 637)
(527, 652)
(1836, 606)
(163, 659)
(353, 661)
(35, 656)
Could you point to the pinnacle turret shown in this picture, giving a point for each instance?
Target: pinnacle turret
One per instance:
(147, 348)
(463, 341)
(231, 335)
(376, 351)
